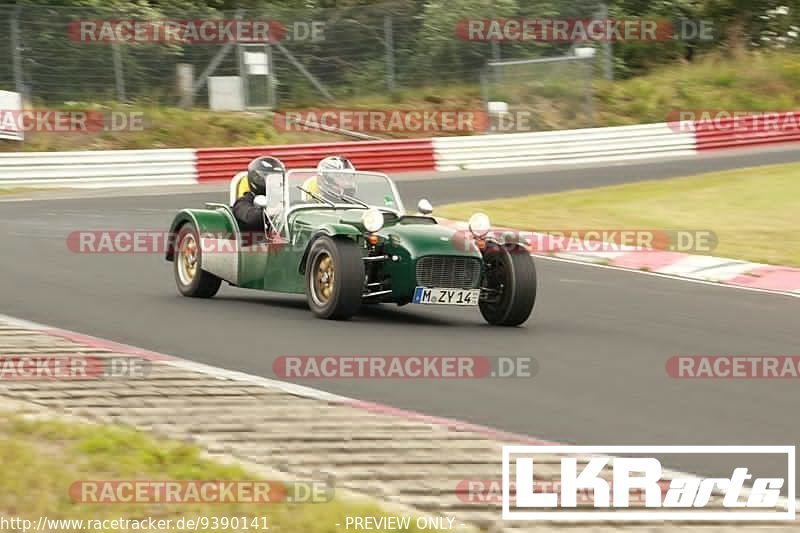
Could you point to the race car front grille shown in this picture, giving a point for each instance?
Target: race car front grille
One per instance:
(451, 272)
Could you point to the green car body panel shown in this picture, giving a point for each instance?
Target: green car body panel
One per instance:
(400, 259)
(279, 266)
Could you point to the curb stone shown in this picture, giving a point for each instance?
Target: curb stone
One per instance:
(407, 462)
(732, 272)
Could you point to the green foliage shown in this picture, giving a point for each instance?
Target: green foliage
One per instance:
(762, 81)
(352, 58)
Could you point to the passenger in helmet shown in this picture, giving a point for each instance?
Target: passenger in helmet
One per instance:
(249, 215)
(335, 177)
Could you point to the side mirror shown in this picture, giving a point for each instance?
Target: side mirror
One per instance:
(424, 207)
(260, 201)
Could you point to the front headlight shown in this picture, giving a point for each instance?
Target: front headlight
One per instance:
(372, 220)
(479, 225)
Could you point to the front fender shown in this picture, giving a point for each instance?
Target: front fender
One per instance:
(344, 231)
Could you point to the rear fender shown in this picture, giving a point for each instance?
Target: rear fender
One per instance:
(180, 219)
(220, 240)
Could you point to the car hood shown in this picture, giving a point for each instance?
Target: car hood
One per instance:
(425, 238)
(417, 235)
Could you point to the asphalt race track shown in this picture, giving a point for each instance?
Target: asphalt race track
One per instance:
(601, 337)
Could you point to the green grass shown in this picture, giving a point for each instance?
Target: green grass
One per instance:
(171, 127)
(41, 459)
(753, 211)
(757, 81)
(165, 127)
(454, 96)
(17, 190)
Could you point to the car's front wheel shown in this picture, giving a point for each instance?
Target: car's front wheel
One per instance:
(509, 285)
(334, 278)
(190, 277)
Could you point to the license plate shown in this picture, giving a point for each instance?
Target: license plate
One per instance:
(426, 295)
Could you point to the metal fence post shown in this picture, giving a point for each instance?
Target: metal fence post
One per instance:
(494, 44)
(589, 92)
(16, 56)
(608, 51)
(244, 80)
(272, 96)
(485, 85)
(119, 73)
(184, 73)
(388, 38)
(485, 96)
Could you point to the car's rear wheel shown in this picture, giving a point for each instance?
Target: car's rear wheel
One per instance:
(334, 278)
(508, 285)
(191, 279)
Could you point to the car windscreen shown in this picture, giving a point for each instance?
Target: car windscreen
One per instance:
(342, 187)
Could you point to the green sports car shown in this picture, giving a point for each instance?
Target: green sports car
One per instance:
(362, 249)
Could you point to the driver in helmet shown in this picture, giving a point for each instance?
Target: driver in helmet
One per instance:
(330, 184)
(249, 215)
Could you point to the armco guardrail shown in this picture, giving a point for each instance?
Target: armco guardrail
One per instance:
(561, 147)
(754, 130)
(385, 156)
(186, 166)
(100, 168)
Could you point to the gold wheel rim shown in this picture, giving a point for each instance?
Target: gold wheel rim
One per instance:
(187, 266)
(324, 278)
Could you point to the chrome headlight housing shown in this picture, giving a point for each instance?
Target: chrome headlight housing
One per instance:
(479, 225)
(372, 220)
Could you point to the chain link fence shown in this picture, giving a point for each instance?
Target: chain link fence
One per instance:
(539, 94)
(322, 56)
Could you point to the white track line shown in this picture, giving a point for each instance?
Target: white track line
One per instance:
(669, 276)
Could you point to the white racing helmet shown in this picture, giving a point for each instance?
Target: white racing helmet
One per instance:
(335, 177)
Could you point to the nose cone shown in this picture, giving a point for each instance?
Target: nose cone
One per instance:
(431, 239)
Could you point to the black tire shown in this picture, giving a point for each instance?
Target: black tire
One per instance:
(339, 298)
(192, 282)
(509, 270)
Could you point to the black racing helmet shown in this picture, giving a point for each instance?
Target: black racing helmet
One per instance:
(259, 169)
